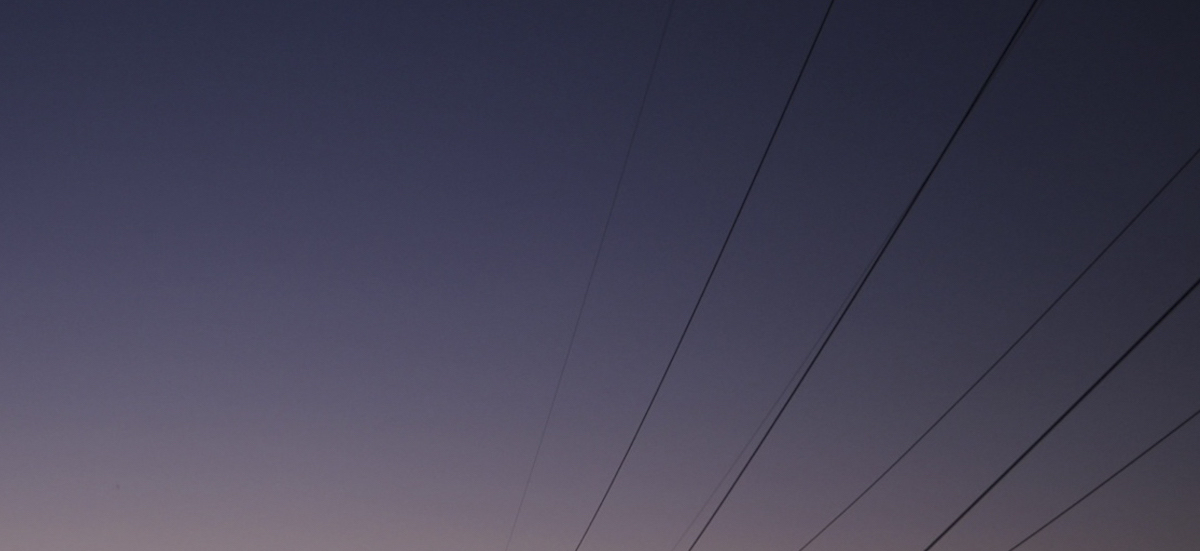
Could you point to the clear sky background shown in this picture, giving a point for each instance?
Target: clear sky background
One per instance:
(302, 276)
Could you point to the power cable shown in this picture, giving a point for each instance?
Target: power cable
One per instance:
(763, 423)
(1008, 350)
(874, 262)
(707, 281)
(1064, 414)
(1109, 479)
(587, 291)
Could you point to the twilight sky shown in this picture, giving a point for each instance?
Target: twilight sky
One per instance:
(302, 276)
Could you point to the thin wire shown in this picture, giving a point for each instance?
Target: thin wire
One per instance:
(708, 280)
(1008, 350)
(587, 291)
(766, 418)
(1109, 479)
(874, 262)
(1064, 414)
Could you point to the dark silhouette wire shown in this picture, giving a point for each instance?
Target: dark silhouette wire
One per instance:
(1102, 483)
(637, 124)
(1064, 415)
(874, 262)
(708, 280)
(758, 429)
(1007, 351)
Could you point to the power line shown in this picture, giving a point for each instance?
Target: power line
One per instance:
(1064, 414)
(708, 280)
(1109, 479)
(1008, 350)
(737, 459)
(763, 423)
(874, 262)
(587, 291)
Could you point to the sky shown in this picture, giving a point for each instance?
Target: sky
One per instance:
(304, 276)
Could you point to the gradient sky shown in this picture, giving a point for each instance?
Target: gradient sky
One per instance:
(301, 276)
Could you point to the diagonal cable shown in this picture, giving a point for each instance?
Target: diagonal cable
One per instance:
(1064, 415)
(708, 280)
(587, 291)
(874, 262)
(1007, 351)
(758, 429)
(1109, 479)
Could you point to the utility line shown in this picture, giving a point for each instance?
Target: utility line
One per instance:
(1064, 414)
(1109, 479)
(708, 280)
(1008, 350)
(874, 262)
(763, 423)
(587, 291)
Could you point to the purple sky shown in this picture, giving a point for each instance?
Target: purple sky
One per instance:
(302, 276)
